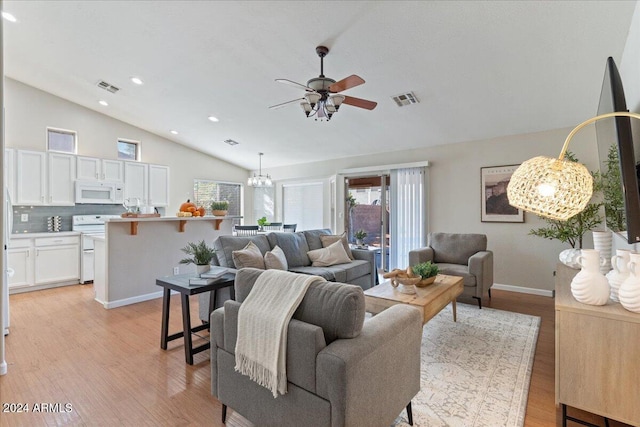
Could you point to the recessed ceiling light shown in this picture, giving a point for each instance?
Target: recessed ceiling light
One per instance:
(213, 119)
(103, 102)
(175, 132)
(137, 80)
(9, 17)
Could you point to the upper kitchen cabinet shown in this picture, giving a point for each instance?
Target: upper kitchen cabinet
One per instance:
(61, 173)
(136, 182)
(30, 178)
(147, 183)
(35, 168)
(94, 169)
(158, 186)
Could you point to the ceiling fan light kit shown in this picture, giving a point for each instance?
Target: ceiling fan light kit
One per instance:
(321, 99)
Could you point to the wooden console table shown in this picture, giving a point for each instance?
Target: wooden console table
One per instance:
(597, 348)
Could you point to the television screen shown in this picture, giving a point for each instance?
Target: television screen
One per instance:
(617, 159)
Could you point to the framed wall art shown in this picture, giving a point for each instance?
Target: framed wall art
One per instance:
(495, 205)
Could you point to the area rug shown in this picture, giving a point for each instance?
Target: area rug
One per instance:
(476, 371)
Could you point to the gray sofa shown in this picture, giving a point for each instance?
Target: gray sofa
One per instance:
(341, 371)
(361, 271)
(458, 254)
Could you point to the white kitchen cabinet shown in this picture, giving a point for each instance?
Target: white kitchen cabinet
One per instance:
(94, 169)
(20, 260)
(10, 172)
(158, 186)
(43, 262)
(30, 178)
(62, 174)
(136, 183)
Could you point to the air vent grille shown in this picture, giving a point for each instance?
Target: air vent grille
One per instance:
(231, 142)
(405, 99)
(108, 86)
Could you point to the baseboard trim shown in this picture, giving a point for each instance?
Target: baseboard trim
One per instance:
(523, 290)
(132, 300)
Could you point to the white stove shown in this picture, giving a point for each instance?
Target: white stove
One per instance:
(88, 225)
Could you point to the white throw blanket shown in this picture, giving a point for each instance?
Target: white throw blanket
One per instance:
(263, 319)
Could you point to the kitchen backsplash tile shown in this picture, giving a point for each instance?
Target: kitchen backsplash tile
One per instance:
(38, 215)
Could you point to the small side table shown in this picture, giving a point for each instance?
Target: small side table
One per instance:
(180, 283)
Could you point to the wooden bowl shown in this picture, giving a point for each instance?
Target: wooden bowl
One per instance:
(426, 282)
(406, 281)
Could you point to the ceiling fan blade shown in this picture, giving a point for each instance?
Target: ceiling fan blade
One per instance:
(273, 107)
(292, 83)
(346, 83)
(359, 102)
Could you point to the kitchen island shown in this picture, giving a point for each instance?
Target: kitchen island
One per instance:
(139, 250)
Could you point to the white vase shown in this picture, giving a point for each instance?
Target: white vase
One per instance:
(590, 286)
(568, 257)
(620, 272)
(629, 292)
(602, 242)
(202, 269)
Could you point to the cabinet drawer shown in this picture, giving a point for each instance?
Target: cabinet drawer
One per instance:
(19, 243)
(56, 241)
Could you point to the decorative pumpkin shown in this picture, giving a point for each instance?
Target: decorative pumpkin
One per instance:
(196, 213)
(201, 210)
(192, 209)
(185, 207)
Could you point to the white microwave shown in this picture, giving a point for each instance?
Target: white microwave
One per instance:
(99, 192)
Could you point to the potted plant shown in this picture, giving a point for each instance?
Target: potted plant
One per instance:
(200, 255)
(426, 271)
(360, 236)
(262, 222)
(219, 208)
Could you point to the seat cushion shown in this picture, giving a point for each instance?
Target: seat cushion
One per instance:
(336, 307)
(225, 245)
(458, 270)
(294, 246)
(325, 272)
(454, 248)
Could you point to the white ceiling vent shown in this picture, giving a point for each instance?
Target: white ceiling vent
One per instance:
(231, 142)
(405, 99)
(108, 86)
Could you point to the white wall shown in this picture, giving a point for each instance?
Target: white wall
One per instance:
(29, 111)
(454, 186)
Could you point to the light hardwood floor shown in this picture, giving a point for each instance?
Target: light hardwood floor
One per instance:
(65, 348)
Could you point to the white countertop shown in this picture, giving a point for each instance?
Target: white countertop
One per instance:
(44, 234)
(174, 218)
(98, 237)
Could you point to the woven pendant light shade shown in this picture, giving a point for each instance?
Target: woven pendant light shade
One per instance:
(550, 187)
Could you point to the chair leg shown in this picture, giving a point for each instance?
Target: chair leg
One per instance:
(409, 414)
(479, 302)
(224, 413)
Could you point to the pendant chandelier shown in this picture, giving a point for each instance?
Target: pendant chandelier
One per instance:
(260, 180)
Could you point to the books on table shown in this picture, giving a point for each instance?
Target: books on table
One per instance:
(211, 276)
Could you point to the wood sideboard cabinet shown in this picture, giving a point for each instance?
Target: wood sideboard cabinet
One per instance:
(597, 355)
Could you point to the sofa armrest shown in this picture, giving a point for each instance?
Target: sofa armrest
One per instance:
(386, 356)
(216, 326)
(481, 266)
(367, 255)
(417, 256)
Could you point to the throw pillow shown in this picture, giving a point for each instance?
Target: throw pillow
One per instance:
(249, 256)
(275, 259)
(332, 238)
(331, 255)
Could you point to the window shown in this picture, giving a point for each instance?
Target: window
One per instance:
(128, 149)
(206, 191)
(263, 203)
(302, 205)
(61, 140)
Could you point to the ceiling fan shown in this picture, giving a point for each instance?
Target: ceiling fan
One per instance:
(322, 99)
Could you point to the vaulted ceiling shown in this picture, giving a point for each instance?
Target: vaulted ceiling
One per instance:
(480, 69)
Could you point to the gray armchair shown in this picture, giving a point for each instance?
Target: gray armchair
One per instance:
(341, 371)
(463, 255)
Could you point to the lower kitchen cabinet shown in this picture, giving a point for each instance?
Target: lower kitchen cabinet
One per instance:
(42, 262)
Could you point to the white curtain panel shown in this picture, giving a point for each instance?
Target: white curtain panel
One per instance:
(407, 214)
